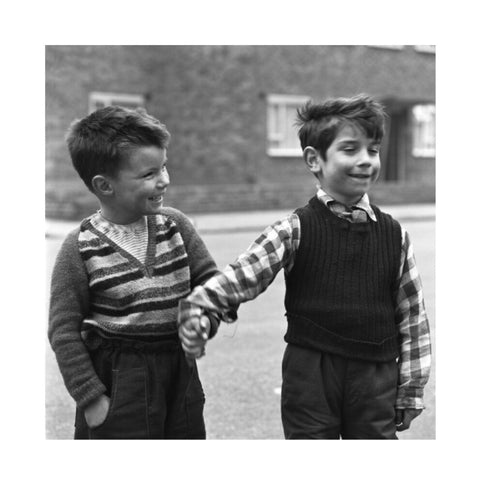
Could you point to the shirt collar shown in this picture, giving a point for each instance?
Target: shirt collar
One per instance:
(363, 203)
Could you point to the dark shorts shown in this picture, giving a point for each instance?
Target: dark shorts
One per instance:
(325, 396)
(154, 392)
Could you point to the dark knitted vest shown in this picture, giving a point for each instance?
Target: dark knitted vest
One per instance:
(339, 294)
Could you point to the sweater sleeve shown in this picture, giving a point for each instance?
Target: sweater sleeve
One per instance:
(202, 265)
(69, 305)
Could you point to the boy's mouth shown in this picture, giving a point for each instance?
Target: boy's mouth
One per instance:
(359, 175)
(157, 198)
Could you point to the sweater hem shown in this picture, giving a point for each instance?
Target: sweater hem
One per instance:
(303, 332)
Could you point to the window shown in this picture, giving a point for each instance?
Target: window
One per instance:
(429, 49)
(423, 130)
(281, 115)
(97, 100)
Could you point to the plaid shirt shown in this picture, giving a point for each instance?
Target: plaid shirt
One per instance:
(275, 249)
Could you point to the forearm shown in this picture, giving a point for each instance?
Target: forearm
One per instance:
(225, 292)
(213, 297)
(74, 362)
(414, 372)
(69, 303)
(252, 272)
(414, 335)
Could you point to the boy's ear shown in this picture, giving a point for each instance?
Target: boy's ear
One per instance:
(102, 186)
(313, 160)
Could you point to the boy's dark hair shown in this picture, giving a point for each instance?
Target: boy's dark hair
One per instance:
(98, 142)
(320, 123)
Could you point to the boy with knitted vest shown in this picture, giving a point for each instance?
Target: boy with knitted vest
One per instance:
(358, 345)
(116, 285)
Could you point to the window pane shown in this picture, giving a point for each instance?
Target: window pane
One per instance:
(423, 130)
(282, 139)
(291, 138)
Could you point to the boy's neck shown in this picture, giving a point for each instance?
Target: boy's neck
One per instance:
(337, 199)
(114, 217)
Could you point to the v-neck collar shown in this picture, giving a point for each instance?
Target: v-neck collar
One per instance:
(147, 266)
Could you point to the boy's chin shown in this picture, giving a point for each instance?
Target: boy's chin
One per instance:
(154, 207)
(155, 211)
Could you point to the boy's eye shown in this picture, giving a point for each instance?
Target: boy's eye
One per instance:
(148, 175)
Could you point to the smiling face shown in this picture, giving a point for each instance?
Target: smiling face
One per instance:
(351, 167)
(138, 187)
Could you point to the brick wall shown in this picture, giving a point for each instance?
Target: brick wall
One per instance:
(212, 99)
(75, 202)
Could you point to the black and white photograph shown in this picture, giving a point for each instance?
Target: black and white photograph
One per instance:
(197, 174)
(240, 231)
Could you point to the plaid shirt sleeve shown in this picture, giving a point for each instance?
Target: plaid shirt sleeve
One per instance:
(252, 272)
(413, 329)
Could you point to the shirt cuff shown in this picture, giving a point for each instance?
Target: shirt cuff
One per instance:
(404, 401)
(200, 297)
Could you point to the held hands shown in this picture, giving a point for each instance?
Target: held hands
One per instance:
(96, 412)
(404, 417)
(193, 329)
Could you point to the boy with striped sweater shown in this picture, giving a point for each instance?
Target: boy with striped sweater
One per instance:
(358, 342)
(116, 285)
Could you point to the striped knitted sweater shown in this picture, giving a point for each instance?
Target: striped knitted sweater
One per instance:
(98, 285)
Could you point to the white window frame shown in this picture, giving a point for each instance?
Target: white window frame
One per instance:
(277, 129)
(114, 98)
(390, 47)
(423, 138)
(429, 49)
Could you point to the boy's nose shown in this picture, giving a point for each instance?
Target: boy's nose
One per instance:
(163, 180)
(365, 158)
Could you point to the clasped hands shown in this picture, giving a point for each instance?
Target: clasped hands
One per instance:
(193, 329)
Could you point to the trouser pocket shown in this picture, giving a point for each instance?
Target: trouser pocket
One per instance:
(127, 416)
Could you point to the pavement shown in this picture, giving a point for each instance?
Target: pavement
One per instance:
(253, 220)
(243, 400)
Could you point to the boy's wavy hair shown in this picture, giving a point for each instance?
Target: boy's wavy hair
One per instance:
(320, 123)
(98, 142)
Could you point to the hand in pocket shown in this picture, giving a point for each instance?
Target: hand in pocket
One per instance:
(96, 412)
